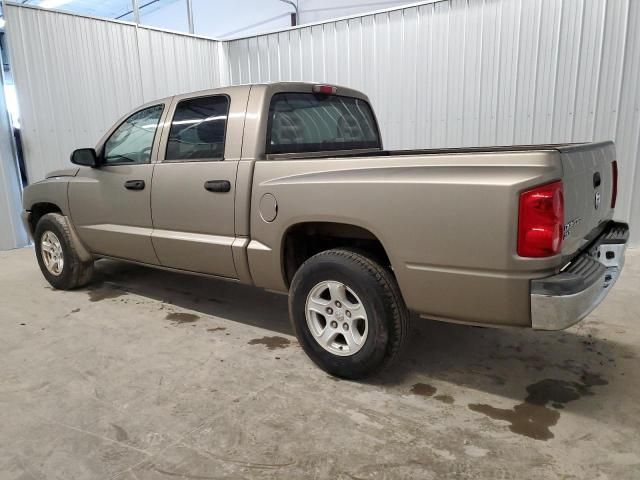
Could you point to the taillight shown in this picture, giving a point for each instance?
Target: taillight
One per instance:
(541, 220)
(614, 187)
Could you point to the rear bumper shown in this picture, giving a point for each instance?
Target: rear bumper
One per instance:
(562, 300)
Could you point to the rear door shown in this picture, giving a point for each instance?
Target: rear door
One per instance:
(110, 205)
(192, 198)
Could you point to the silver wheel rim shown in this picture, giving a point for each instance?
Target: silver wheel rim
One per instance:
(52, 254)
(336, 318)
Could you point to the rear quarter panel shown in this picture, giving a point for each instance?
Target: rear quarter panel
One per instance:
(447, 222)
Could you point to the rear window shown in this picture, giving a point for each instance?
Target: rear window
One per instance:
(306, 122)
(198, 129)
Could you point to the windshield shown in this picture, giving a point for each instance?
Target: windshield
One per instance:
(307, 122)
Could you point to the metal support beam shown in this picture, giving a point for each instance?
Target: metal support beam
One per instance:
(295, 17)
(190, 15)
(136, 11)
(12, 233)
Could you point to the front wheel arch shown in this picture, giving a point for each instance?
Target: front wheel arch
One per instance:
(38, 210)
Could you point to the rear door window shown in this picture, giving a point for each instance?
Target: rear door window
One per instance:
(198, 129)
(307, 122)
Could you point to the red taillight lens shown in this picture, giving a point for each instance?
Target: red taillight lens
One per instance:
(541, 220)
(614, 187)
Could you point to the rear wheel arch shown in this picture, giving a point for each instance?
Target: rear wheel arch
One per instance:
(303, 240)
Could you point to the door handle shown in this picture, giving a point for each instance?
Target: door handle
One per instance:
(134, 184)
(221, 186)
(596, 180)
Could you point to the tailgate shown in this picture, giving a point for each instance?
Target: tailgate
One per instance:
(588, 188)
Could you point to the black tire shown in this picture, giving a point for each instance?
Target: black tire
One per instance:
(75, 273)
(375, 286)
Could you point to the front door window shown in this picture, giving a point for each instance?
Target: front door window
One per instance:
(132, 141)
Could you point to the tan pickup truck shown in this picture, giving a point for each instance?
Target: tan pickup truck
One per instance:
(287, 187)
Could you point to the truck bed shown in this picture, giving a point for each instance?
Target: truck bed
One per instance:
(448, 218)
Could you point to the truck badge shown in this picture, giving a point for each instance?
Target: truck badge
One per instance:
(568, 227)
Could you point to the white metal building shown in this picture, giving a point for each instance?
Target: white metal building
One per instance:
(439, 73)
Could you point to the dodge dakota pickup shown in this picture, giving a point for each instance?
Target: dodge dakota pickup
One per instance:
(287, 187)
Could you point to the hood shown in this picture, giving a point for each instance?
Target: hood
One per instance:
(65, 172)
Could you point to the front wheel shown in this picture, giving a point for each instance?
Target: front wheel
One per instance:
(347, 313)
(59, 262)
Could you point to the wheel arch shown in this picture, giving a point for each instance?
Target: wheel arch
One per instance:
(46, 196)
(38, 210)
(302, 240)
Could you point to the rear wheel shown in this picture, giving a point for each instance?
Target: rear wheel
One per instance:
(347, 313)
(57, 256)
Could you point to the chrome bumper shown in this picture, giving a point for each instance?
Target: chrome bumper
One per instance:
(562, 300)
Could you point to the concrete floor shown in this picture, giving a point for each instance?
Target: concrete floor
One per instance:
(153, 375)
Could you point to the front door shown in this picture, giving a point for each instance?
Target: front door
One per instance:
(193, 192)
(111, 205)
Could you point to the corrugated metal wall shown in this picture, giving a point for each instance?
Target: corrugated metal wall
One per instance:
(175, 63)
(445, 73)
(75, 76)
(473, 72)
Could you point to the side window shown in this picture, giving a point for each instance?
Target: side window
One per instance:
(133, 139)
(198, 129)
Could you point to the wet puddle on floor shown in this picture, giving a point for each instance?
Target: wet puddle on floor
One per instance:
(448, 399)
(103, 293)
(423, 390)
(182, 317)
(426, 390)
(532, 418)
(271, 342)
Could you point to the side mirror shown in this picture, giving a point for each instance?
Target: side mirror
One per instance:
(85, 157)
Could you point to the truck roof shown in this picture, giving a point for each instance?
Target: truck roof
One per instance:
(274, 86)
